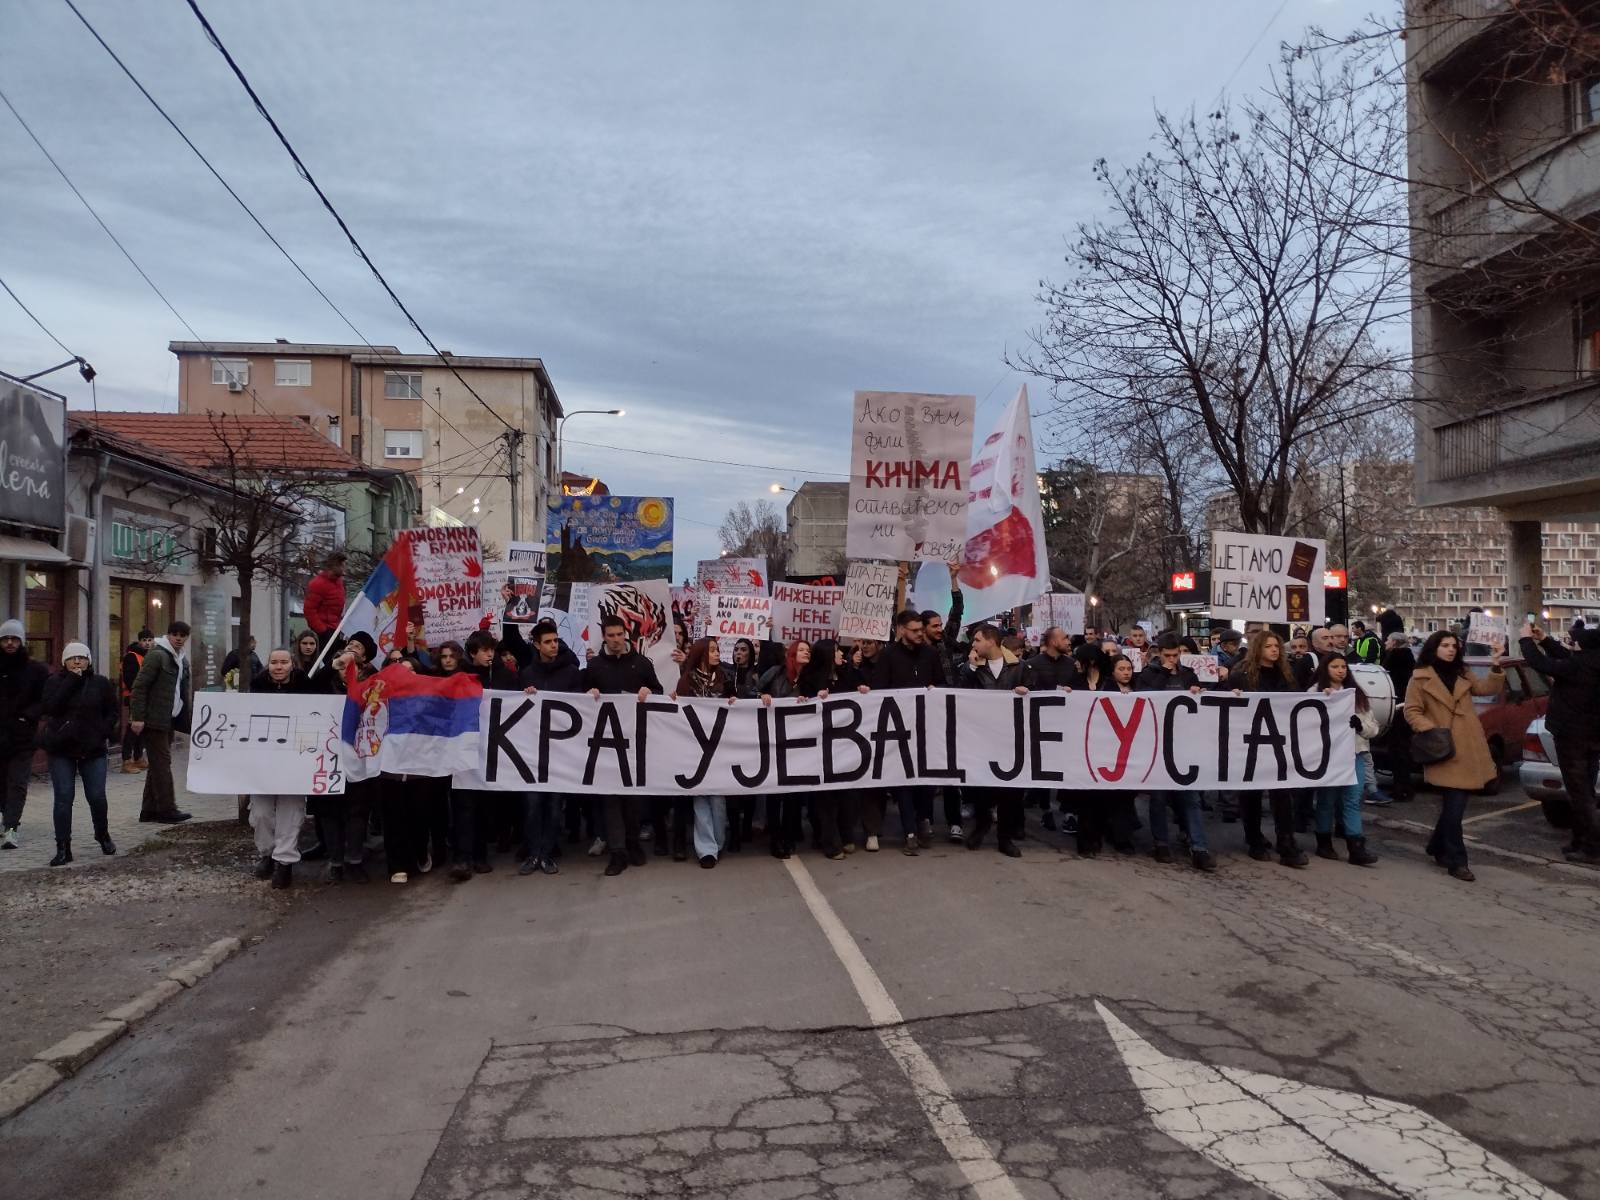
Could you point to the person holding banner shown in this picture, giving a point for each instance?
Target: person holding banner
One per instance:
(782, 682)
(617, 670)
(1333, 675)
(1167, 673)
(909, 662)
(1265, 668)
(1104, 813)
(344, 818)
(833, 813)
(1439, 698)
(704, 677)
(554, 669)
(1053, 669)
(275, 820)
(993, 668)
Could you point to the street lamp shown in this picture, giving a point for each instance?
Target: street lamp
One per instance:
(561, 427)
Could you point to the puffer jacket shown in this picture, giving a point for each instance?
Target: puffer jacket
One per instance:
(81, 715)
(21, 694)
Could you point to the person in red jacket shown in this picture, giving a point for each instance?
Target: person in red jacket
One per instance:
(325, 598)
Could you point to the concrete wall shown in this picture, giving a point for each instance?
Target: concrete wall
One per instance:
(328, 396)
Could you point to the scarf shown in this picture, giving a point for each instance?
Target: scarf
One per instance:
(181, 661)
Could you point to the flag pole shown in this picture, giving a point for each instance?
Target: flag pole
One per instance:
(337, 630)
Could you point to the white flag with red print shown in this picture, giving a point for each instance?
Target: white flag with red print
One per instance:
(1005, 565)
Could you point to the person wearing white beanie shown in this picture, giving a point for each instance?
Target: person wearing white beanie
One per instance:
(21, 691)
(81, 716)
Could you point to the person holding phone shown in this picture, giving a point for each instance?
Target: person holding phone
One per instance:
(1573, 720)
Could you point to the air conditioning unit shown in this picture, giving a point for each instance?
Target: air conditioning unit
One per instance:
(235, 386)
(80, 539)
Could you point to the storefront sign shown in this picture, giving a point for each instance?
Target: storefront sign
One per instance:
(33, 456)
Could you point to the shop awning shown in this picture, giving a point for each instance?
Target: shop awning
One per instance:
(20, 549)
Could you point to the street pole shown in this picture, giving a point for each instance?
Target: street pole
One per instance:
(514, 477)
(1344, 534)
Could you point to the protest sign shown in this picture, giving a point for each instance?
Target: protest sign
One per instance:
(607, 538)
(1207, 669)
(525, 570)
(266, 742)
(1064, 609)
(1257, 577)
(645, 609)
(1494, 632)
(494, 582)
(447, 578)
(571, 607)
(803, 612)
(1152, 741)
(909, 461)
(1135, 656)
(732, 576)
(735, 617)
(867, 607)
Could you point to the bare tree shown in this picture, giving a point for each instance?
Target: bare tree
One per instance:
(757, 531)
(1098, 529)
(1236, 298)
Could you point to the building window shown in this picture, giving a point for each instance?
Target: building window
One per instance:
(1586, 103)
(402, 443)
(288, 372)
(399, 386)
(230, 370)
(1589, 336)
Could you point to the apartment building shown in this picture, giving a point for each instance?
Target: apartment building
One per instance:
(1504, 116)
(413, 412)
(817, 516)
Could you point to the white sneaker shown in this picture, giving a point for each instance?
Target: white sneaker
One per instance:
(955, 833)
(597, 847)
(399, 877)
(872, 845)
(8, 839)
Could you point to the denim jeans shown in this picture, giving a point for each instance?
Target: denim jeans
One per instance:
(1194, 821)
(1367, 772)
(710, 825)
(1347, 798)
(64, 774)
(1447, 842)
(541, 814)
(905, 799)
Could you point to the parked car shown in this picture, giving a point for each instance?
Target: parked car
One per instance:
(1541, 778)
(1506, 717)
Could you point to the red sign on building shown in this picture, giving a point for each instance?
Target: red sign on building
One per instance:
(1183, 581)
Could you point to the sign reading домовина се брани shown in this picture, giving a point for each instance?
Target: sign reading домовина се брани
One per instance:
(1152, 741)
(1258, 577)
(910, 457)
(33, 462)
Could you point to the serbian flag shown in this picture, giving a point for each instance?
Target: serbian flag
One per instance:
(385, 599)
(410, 724)
(1005, 565)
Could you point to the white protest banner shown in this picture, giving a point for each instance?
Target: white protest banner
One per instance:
(266, 742)
(1139, 741)
(644, 607)
(1494, 632)
(1206, 668)
(735, 617)
(732, 576)
(1258, 577)
(867, 607)
(1134, 655)
(803, 611)
(494, 583)
(1064, 609)
(909, 460)
(447, 570)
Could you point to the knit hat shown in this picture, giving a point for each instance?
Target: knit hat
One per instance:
(367, 644)
(13, 628)
(75, 650)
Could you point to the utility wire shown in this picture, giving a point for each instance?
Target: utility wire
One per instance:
(305, 173)
(238, 199)
(36, 321)
(566, 441)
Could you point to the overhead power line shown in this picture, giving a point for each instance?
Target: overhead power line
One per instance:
(39, 323)
(238, 199)
(720, 462)
(305, 173)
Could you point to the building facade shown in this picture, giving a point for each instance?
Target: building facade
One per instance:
(816, 516)
(406, 412)
(1504, 151)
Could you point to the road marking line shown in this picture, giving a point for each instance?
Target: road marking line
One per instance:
(971, 1153)
(1502, 812)
(1399, 954)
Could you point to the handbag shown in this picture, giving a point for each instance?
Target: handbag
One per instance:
(1432, 746)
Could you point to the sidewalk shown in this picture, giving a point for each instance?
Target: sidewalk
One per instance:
(123, 792)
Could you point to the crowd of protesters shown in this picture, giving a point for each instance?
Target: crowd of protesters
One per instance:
(426, 823)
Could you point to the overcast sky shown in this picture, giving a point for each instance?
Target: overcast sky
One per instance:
(723, 217)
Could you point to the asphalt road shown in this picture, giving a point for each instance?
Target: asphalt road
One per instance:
(958, 1024)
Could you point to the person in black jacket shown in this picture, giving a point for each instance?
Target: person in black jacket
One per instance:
(1400, 662)
(343, 819)
(276, 819)
(21, 692)
(1573, 720)
(991, 667)
(1053, 669)
(133, 743)
(1265, 668)
(1166, 673)
(80, 720)
(619, 670)
(554, 668)
(909, 662)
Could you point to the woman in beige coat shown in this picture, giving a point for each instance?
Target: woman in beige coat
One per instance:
(1439, 696)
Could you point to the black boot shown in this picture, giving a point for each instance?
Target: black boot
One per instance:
(63, 854)
(263, 869)
(1289, 854)
(107, 846)
(282, 875)
(981, 821)
(1360, 856)
(1325, 847)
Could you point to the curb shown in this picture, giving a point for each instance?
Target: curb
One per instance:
(1400, 825)
(75, 1051)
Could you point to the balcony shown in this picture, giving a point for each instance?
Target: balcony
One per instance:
(1437, 29)
(1542, 449)
(1473, 229)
